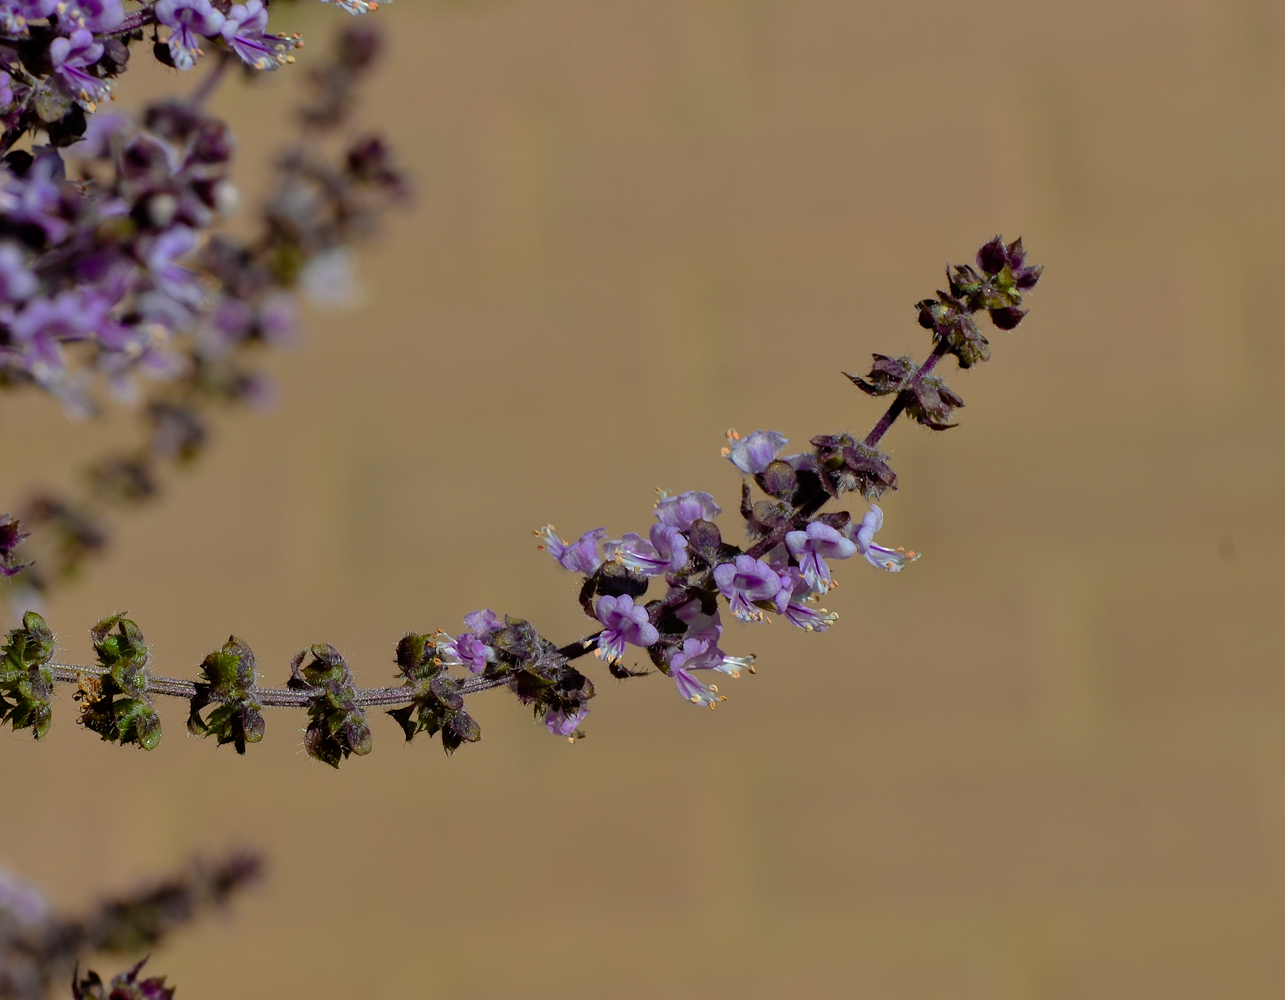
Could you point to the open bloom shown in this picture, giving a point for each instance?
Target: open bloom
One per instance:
(862, 535)
(17, 282)
(793, 600)
(244, 31)
(581, 556)
(755, 453)
(470, 648)
(745, 581)
(695, 654)
(561, 724)
(72, 57)
(813, 546)
(189, 21)
(665, 553)
(684, 510)
(625, 623)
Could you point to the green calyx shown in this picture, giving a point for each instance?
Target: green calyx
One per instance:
(26, 679)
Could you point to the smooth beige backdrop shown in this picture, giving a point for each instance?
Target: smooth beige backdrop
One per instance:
(1048, 761)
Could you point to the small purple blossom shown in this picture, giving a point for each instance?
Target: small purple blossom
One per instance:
(189, 21)
(793, 598)
(469, 648)
(45, 323)
(684, 510)
(665, 553)
(755, 453)
(71, 57)
(581, 556)
(36, 199)
(30, 10)
(243, 30)
(862, 535)
(745, 581)
(484, 623)
(178, 282)
(813, 547)
(98, 16)
(695, 654)
(21, 903)
(17, 282)
(561, 724)
(624, 622)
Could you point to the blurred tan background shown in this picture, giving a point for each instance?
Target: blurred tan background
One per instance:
(1045, 763)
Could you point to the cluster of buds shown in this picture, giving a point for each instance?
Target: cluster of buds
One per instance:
(784, 568)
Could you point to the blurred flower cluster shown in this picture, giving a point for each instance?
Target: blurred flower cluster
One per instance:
(39, 947)
(118, 280)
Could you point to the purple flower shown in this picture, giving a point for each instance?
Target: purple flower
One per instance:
(484, 623)
(36, 199)
(813, 546)
(862, 534)
(756, 452)
(46, 323)
(561, 724)
(624, 622)
(71, 57)
(469, 648)
(793, 598)
(685, 509)
(470, 651)
(665, 553)
(189, 21)
(30, 10)
(6, 86)
(21, 903)
(243, 30)
(581, 556)
(745, 581)
(179, 283)
(17, 283)
(102, 134)
(97, 15)
(694, 655)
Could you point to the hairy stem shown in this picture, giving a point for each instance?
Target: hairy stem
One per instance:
(174, 687)
(138, 19)
(899, 403)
